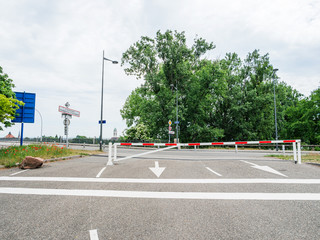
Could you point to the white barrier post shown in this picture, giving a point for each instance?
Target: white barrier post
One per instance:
(110, 155)
(283, 149)
(115, 153)
(294, 152)
(236, 148)
(195, 147)
(299, 152)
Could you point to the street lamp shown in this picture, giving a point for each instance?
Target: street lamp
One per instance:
(114, 62)
(177, 120)
(41, 124)
(275, 106)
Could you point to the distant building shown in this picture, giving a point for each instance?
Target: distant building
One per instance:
(9, 136)
(115, 135)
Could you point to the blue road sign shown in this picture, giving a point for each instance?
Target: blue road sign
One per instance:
(103, 121)
(25, 114)
(176, 122)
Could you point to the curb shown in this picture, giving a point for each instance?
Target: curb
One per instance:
(63, 158)
(312, 163)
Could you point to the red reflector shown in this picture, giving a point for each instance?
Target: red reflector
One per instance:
(286, 141)
(194, 144)
(217, 143)
(170, 144)
(241, 142)
(125, 144)
(147, 144)
(264, 141)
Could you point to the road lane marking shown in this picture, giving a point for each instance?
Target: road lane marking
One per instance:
(214, 172)
(94, 234)
(164, 180)
(164, 195)
(265, 168)
(156, 169)
(101, 171)
(18, 172)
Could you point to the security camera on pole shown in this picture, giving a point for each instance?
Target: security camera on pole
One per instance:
(67, 114)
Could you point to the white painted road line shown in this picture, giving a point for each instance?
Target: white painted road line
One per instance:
(18, 172)
(214, 172)
(164, 195)
(163, 180)
(101, 171)
(265, 168)
(94, 234)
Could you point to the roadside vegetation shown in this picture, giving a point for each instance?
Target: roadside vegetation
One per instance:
(10, 156)
(312, 157)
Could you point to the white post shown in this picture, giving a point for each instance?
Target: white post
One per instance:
(236, 148)
(283, 149)
(110, 155)
(195, 147)
(299, 152)
(294, 152)
(115, 153)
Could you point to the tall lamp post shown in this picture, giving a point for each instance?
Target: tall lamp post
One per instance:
(101, 119)
(177, 119)
(41, 124)
(275, 105)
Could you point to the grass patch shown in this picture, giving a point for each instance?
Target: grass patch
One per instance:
(314, 157)
(15, 154)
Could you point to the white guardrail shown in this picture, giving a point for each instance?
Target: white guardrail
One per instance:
(296, 147)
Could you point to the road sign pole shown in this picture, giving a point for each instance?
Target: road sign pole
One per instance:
(21, 135)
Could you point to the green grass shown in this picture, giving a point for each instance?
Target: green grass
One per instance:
(15, 154)
(314, 158)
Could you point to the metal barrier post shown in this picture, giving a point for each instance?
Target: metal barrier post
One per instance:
(115, 152)
(299, 152)
(110, 155)
(236, 148)
(283, 149)
(294, 152)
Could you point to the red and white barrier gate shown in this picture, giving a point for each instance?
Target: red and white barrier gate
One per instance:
(296, 144)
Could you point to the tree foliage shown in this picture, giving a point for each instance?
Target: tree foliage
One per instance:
(8, 103)
(225, 99)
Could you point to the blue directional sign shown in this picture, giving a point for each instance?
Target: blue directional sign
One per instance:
(103, 121)
(176, 122)
(25, 114)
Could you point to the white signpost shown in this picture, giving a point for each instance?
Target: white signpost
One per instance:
(67, 114)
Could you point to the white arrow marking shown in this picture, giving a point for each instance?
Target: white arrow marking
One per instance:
(265, 168)
(157, 170)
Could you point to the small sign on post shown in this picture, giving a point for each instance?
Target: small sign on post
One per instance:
(170, 128)
(67, 114)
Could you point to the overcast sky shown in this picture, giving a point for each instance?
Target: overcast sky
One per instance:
(54, 48)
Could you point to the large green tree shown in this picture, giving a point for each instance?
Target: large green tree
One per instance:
(8, 102)
(171, 71)
(303, 119)
(227, 99)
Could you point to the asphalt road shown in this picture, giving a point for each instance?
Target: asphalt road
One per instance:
(198, 195)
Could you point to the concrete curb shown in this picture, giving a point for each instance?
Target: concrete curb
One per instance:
(64, 158)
